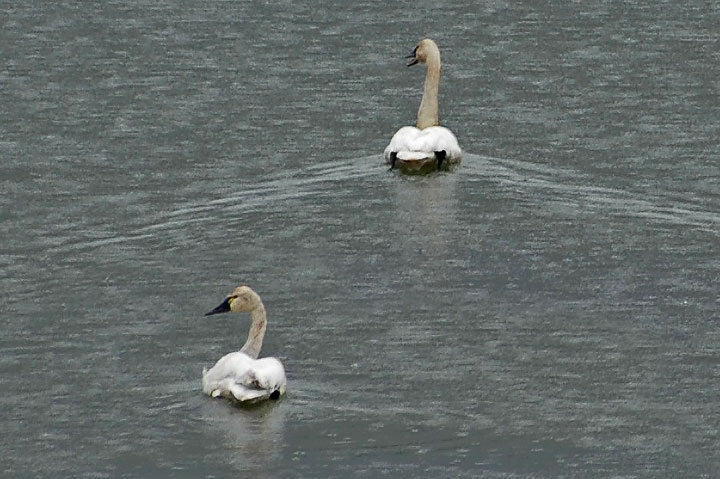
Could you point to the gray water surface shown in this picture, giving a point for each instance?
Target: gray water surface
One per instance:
(549, 309)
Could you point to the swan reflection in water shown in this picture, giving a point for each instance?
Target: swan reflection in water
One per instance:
(247, 439)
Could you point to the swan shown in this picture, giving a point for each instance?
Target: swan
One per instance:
(416, 147)
(240, 376)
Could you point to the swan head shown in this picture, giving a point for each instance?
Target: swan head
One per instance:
(241, 299)
(426, 50)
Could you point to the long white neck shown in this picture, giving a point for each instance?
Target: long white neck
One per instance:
(257, 332)
(428, 112)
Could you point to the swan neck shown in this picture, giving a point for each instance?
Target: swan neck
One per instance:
(428, 112)
(257, 332)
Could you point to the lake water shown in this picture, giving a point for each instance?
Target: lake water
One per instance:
(548, 309)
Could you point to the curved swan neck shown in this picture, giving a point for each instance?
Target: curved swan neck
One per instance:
(257, 332)
(428, 112)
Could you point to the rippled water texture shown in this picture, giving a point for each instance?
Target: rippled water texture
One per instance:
(548, 309)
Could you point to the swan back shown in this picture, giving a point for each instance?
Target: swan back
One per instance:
(416, 149)
(239, 377)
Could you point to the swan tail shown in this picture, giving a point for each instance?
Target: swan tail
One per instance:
(415, 155)
(245, 394)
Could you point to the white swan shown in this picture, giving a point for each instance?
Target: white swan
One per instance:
(416, 147)
(240, 376)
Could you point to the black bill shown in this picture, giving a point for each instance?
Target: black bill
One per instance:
(223, 307)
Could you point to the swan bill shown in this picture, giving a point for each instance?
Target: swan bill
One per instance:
(223, 307)
(412, 59)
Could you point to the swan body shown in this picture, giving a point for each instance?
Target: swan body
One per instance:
(416, 147)
(411, 143)
(240, 376)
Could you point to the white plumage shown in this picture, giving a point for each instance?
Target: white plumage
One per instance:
(411, 143)
(240, 377)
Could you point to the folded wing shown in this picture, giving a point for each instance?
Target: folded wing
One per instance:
(240, 377)
(412, 143)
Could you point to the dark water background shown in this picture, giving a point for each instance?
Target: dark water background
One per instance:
(549, 309)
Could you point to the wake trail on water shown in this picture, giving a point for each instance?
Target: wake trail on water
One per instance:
(547, 186)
